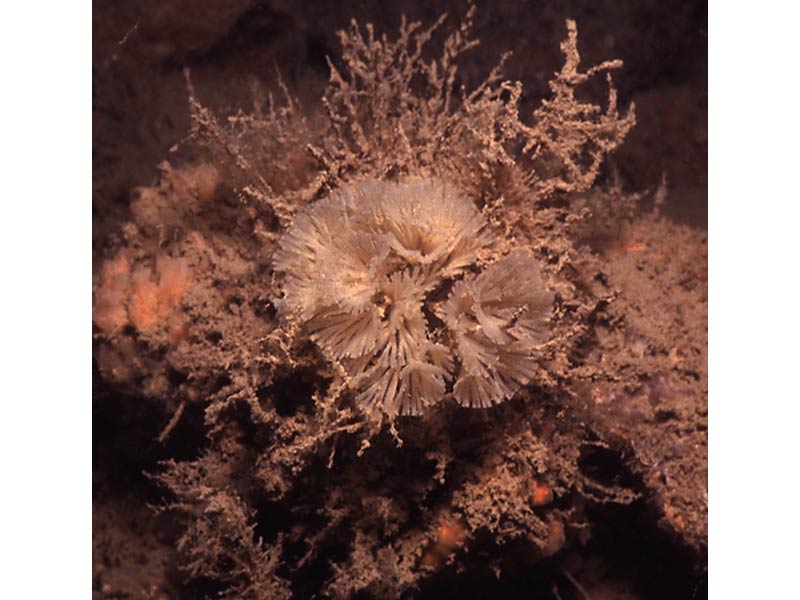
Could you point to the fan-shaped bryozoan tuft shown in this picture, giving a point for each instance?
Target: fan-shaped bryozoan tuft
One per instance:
(366, 271)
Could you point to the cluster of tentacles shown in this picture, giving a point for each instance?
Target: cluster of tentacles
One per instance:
(382, 277)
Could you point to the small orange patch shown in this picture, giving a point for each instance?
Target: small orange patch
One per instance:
(120, 265)
(451, 535)
(635, 247)
(143, 307)
(109, 312)
(197, 240)
(173, 281)
(542, 494)
(122, 298)
(110, 316)
(674, 518)
(151, 302)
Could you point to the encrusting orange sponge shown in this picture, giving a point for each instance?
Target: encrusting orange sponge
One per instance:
(153, 302)
(109, 312)
(123, 297)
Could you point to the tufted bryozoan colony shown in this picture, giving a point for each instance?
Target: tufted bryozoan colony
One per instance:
(382, 277)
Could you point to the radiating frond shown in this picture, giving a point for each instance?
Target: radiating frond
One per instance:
(359, 267)
(496, 320)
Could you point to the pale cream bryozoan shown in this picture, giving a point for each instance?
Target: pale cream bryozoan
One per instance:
(367, 270)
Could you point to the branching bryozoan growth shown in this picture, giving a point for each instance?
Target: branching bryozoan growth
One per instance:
(384, 277)
(394, 112)
(367, 271)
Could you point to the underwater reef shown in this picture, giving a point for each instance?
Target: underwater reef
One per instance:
(413, 338)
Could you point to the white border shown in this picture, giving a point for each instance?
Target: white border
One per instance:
(754, 160)
(45, 240)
